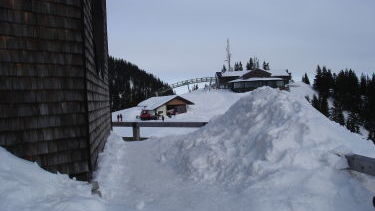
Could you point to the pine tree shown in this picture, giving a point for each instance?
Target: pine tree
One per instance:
(318, 78)
(240, 67)
(236, 67)
(324, 106)
(305, 79)
(352, 122)
(337, 114)
(315, 103)
(267, 66)
(250, 64)
(224, 69)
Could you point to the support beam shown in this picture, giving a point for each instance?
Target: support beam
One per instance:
(361, 164)
(137, 125)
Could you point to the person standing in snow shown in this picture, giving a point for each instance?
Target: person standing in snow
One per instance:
(121, 117)
(162, 117)
(118, 118)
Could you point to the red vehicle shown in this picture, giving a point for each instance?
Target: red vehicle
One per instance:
(147, 116)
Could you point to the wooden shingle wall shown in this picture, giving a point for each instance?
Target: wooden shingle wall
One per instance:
(53, 105)
(96, 76)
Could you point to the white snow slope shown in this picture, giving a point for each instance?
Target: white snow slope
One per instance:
(270, 151)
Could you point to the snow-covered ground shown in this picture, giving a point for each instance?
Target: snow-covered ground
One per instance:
(25, 186)
(264, 150)
(270, 151)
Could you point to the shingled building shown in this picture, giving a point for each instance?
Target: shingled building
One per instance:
(54, 97)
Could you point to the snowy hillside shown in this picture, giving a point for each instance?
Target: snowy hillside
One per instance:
(270, 151)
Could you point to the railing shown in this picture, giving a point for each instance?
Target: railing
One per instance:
(190, 81)
(137, 125)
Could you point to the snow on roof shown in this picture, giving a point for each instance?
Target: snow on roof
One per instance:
(155, 102)
(280, 72)
(256, 79)
(276, 72)
(234, 73)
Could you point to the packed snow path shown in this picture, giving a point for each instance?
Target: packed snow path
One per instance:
(270, 151)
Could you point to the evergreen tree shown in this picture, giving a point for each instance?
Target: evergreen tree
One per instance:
(324, 106)
(318, 78)
(347, 91)
(250, 64)
(337, 114)
(315, 103)
(257, 63)
(363, 84)
(266, 65)
(224, 69)
(305, 79)
(236, 67)
(352, 122)
(240, 66)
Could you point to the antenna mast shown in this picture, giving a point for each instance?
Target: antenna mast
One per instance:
(229, 55)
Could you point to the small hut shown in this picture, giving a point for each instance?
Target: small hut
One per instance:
(165, 105)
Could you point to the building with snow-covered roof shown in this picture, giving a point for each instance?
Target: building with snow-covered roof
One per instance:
(247, 80)
(165, 105)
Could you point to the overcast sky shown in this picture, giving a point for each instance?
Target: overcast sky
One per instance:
(183, 39)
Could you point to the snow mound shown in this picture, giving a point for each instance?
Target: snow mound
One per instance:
(267, 131)
(271, 150)
(25, 186)
(273, 145)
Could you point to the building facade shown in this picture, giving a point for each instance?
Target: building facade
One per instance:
(165, 105)
(248, 80)
(54, 96)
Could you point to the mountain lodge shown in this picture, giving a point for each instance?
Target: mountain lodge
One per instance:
(247, 80)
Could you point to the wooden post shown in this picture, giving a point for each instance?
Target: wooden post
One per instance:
(136, 132)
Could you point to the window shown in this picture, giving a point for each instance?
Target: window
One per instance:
(252, 84)
(279, 83)
(238, 85)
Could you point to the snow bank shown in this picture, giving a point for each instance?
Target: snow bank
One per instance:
(274, 145)
(267, 130)
(270, 151)
(25, 186)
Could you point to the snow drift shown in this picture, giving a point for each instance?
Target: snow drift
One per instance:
(266, 131)
(270, 151)
(25, 186)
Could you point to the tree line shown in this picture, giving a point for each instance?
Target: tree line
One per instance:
(252, 64)
(349, 93)
(129, 85)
